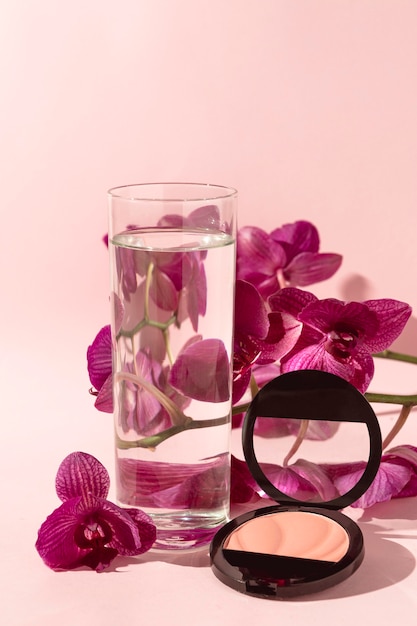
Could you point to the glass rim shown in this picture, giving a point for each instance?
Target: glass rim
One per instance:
(122, 192)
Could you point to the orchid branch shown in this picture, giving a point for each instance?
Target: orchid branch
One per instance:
(154, 440)
(298, 441)
(396, 356)
(401, 420)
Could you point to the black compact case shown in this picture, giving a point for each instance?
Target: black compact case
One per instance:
(312, 395)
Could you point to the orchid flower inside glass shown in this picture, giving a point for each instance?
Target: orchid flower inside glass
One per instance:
(87, 529)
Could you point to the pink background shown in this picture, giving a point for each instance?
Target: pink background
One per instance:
(307, 107)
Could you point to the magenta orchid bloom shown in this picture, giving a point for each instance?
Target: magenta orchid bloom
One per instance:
(87, 529)
(288, 256)
(340, 337)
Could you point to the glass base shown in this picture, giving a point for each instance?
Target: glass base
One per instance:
(176, 534)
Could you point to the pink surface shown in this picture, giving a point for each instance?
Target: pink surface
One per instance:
(308, 109)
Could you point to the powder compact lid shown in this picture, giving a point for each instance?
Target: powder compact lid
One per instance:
(296, 547)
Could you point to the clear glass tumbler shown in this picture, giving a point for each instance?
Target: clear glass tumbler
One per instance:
(172, 265)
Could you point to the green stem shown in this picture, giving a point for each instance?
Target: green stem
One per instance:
(297, 443)
(387, 398)
(161, 325)
(154, 440)
(401, 420)
(396, 356)
(147, 287)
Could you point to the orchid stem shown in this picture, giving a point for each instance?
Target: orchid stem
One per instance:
(253, 386)
(154, 440)
(396, 356)
(297, 443)
(402, 418)
(387, 398)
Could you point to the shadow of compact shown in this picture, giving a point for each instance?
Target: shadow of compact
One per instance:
(386, 562)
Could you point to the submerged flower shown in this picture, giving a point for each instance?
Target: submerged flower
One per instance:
(147, 402)
(201, 371)
(174, 485)
(340, 337)
(288, 256)
(87, 529)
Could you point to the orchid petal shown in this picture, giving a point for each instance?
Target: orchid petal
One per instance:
(392, 316)
(307, 268)
(207, 216)
(388, 482)
(240, 385)
(328, 314)
(146, 528)
(140, 397)
(291, 300)
(99, 357)
(257, 254)
(104, 400)
(314, 474)
(251, 317)
(162, 291)
(243, 486)
(358, 371)
(126, 270)
(55, 542)
(284, 332)
(183, 485)
(81, 474)
(201, 371)
(193, 297)
(300, 236)
(404, 455)
(289, 480)
(118, 311)
(126, 538)
(205, 489)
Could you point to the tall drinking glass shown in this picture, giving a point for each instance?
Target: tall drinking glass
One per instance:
(172, 264)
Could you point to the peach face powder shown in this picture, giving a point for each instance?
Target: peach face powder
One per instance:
(295, 534)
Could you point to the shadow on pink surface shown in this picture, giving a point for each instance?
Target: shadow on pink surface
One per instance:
(387, 562)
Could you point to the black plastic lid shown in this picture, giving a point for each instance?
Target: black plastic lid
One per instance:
(312, 395)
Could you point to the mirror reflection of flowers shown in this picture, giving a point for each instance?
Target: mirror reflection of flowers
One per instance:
(279, 327)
